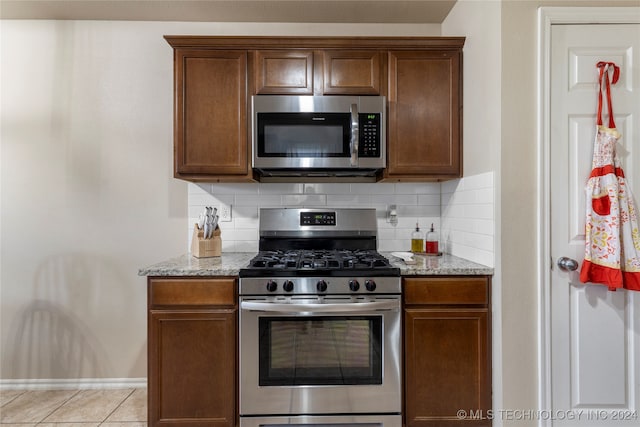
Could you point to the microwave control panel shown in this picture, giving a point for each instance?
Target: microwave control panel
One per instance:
(369, 145)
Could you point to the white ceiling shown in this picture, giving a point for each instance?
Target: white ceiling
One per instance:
(335, 11)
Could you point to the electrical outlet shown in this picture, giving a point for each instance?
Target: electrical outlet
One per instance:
(225, 213)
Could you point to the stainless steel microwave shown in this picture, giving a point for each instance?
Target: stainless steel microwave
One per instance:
(318, 136)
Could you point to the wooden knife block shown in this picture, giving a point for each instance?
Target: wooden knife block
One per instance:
(206, 248)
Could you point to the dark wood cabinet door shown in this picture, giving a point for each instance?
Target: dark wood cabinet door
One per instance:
(447, 367)
(210, 122)
(284, 72)
(192, 368)
(425, 120)
(352, 72)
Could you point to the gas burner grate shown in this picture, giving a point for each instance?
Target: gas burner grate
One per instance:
(319, 260)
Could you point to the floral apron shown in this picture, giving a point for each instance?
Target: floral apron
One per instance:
(612, 250)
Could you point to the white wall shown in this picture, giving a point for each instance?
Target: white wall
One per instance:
(87, 193)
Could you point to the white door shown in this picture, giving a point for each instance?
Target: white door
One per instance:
(595, 333)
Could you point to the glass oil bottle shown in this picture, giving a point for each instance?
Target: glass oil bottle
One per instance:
(417, 241)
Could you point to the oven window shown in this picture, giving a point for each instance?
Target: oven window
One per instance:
(320, 350)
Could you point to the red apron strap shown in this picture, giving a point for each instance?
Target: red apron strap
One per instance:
(604, 73)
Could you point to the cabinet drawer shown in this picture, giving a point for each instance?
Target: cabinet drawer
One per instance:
(447, 290)
(192, 292)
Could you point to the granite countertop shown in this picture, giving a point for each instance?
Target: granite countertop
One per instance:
(430, 265)
(229, 264)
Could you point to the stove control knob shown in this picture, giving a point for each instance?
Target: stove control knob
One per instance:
(287, 286)
(272, 285)
(354, 285)
(321, 286)
(370, 285)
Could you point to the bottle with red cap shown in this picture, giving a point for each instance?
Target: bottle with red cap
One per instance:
(431, 241)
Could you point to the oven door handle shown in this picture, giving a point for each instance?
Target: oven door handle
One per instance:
(275, 307)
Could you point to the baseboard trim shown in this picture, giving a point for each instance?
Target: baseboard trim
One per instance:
(73, 384)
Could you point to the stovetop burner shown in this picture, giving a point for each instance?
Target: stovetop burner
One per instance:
(318, 242)
(316, 261)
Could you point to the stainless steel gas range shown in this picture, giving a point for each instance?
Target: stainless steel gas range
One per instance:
(320, 323)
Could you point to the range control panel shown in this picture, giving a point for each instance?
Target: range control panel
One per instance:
(318, 218)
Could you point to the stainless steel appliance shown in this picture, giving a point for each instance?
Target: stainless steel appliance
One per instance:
(320, 323)
(318, 136)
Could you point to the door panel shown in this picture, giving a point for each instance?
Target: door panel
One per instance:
(595, 347)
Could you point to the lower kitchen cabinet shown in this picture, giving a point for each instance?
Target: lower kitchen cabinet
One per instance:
(447, 347)
(192, 327)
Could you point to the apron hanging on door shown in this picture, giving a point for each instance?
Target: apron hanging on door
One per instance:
(612, 250)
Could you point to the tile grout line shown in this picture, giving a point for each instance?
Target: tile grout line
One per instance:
(58, 407)
(14, 398)
(117, 407)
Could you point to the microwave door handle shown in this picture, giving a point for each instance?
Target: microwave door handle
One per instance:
(355, 133)
(319, 308)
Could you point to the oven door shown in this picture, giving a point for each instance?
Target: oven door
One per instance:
(324, 355)
(324, 421)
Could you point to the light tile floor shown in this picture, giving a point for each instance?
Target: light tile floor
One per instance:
(74, 408)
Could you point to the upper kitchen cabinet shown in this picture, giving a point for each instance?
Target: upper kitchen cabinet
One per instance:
(215, 77)
(352, 72)
(317, 72)
(284, 72)
(210, 121)
(425, 114)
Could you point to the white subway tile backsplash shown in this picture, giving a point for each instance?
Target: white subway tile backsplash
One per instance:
(479, 211)
(418, 211)
(326, 188)
(462, 210)
(248, 188)
(244, 214)
(485, 195)
(199, 188)
(379, 188)
(468, 218)
(348, 200)
(280, 188)
(418, 188)
(261, 200)
(392, 246)
(304, 200)
(452, 186)
(429, 199)
(250, 234)
(385, 233)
